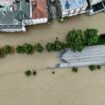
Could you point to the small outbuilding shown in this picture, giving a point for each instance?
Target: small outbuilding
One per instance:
(96, 6)
(93, 55)
(66, 8)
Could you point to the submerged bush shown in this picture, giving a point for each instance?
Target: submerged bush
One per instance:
(98, 67)
(92, 67)
(34, 73)
(74, 69)
(28, 73)
(20, 49)
(38, 47)
(7, 49)
(28, 48)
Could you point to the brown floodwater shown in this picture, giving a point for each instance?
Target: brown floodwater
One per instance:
(63, 88)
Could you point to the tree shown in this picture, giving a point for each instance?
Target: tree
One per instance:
(20, 49)
(76, 40)
(58, 45)
(7, 49)
(74, 69)
(50, 47)
(91, 37)
(34, 73)
(92, 67)
(1, 53)
(28, 73)
(98, 67)
(28, 48)
(38, 47)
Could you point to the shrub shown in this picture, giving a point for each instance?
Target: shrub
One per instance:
(76, 40)
(28, 73)
(20, 49)
(50, 47)
(1, 53)
(92, 67)
(7, 49)
(58, 45)
(98, 67)
(53, 72)
(74, 69)
(38, 47)
(28, 48)
(34, 73)
(91, 37)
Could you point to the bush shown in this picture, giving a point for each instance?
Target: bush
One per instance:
(28, 48)
(53, 72)
(58, 45)
(98, 67)
(76, 40)
(28, 73)
(38, 47)
(91, 37)
(20, 49)
(7, 49)
(74, 69)
(50, 47)
(34, 73)
(1, 53)
(92, 67)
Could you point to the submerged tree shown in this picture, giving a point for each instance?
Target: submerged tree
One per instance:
(20, 49)
(28, 73)
(50, 47)
(91, 37)
(76, 40)
(7, 49)
(28, 48)
(38, 47)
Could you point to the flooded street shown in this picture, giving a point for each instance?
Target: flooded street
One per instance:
(63, 88)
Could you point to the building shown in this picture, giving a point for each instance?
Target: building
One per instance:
(39, 12)
(16, 14)
(93, 55)
(96, 6)
(71, 7)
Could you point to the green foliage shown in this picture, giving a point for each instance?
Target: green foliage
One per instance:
(1, 53)
(38, 47)
(28, 73)
(28, 48)
(92, 67)
(20, 49)
(98, 67)
(53, 72)
(34, 73)
(74, 69)
(58, 45)
(7, 49)
(50, 47)
(76, 40)
(91, 37)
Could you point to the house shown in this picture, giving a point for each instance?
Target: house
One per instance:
(71, 7)
(12, 13)
(92, 55)
(96, 6)
(39, 12)
(16, 14)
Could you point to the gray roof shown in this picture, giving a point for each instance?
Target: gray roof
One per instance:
(88, 56)
(73, 4)
(23, 10)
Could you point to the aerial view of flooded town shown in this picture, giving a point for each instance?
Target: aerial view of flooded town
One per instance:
(52, 52)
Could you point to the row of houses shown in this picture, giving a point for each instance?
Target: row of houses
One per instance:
(16, 14)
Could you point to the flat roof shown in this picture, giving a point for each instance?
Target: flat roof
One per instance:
(72, 4)
(39, 9)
